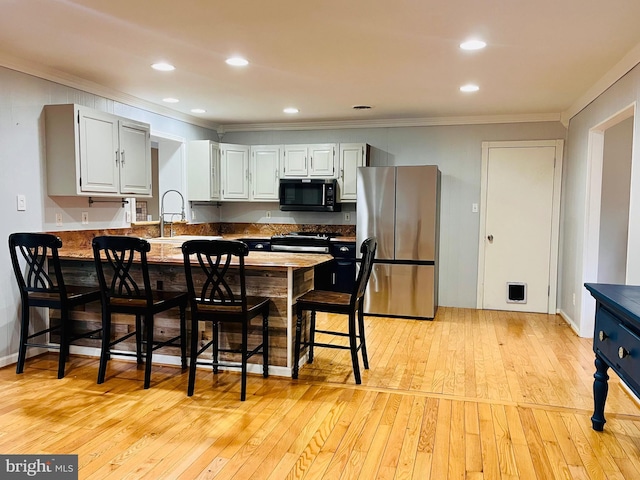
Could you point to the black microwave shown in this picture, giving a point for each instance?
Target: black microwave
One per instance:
(309, 195)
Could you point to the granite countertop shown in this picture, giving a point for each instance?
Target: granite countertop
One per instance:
(169, 252)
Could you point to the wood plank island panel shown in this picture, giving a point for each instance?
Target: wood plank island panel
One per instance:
(282, 284)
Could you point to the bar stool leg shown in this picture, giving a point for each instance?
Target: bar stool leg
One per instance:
(296, 353)
(353, 342)
(363, 343)
(265, 344)
(24, 333)
(148, 321)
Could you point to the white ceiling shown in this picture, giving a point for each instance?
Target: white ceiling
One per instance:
(325, 56)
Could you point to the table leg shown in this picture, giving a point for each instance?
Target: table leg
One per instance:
(600, 390)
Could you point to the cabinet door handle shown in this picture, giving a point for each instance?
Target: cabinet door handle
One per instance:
(117, 157)
(622, 352)
(333, 279)
(344, 249)
(122, 157)
(259, 246)
(311, 163)
(602, 336)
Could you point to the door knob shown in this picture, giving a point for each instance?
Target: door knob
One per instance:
(490, 238)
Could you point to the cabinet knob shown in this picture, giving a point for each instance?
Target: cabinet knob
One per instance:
(490, 238)
(622, 352)
(602, 336)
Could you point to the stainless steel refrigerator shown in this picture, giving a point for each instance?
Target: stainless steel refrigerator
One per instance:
(400, 206)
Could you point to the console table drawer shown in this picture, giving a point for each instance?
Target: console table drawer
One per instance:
(618, 345)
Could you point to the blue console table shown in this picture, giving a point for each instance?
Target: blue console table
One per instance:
(616, 341)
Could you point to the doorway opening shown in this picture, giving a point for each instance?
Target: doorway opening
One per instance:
(608, 202)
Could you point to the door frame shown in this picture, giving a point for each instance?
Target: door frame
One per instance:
(555, 217)
(591, 234)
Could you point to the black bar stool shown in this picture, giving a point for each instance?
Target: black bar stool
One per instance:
(341, 303)
(214, 300)
(121, 265)
(39, 289)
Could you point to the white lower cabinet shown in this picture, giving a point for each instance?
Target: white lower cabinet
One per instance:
(203, 171)
(352, 156)
(110, 155)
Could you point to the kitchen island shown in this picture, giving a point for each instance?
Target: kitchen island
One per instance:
(282, 277)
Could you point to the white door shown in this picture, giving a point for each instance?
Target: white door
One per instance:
(518, 247)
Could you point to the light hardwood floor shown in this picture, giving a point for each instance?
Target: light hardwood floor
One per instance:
(473, 394)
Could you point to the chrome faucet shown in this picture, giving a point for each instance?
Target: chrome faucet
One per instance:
(162, 212)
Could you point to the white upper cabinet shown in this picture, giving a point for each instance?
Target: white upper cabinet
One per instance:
(203, 171)
(93, 153)
(322, 160)
(235, 171)
(264, 175)
(315, 160)
(135, 158)
(352, 156)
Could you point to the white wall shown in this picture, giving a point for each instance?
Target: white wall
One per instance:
(22, 162)
(457, 150)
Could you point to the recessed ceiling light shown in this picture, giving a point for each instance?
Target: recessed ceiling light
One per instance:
(473, 45)
(290, 110)
(170, 100)
(237, 61)
(469, 88)
(163, 67)
(198, 110)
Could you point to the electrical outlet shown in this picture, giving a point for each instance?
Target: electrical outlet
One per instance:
(347, 216)
(574, 299)
(58, 219)
(22, 203)
(85, 218)
(193, 215)
(127, 216)
(268, 213)
(474, 208)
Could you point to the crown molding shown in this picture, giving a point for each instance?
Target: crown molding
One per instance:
(41, 71)
(392, 123)
(620, 69)
(46, 73)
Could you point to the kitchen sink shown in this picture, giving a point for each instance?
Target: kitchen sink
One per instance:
(180, 239)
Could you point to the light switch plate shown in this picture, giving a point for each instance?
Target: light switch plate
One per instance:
(58, 219)
(85, 218)
(22, 203)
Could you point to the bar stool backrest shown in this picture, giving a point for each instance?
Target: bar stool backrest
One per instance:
(121, 265)
(368, 251)
(34, 249)
(214, 259)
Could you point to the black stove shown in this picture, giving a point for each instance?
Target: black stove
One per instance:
(302, 242)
